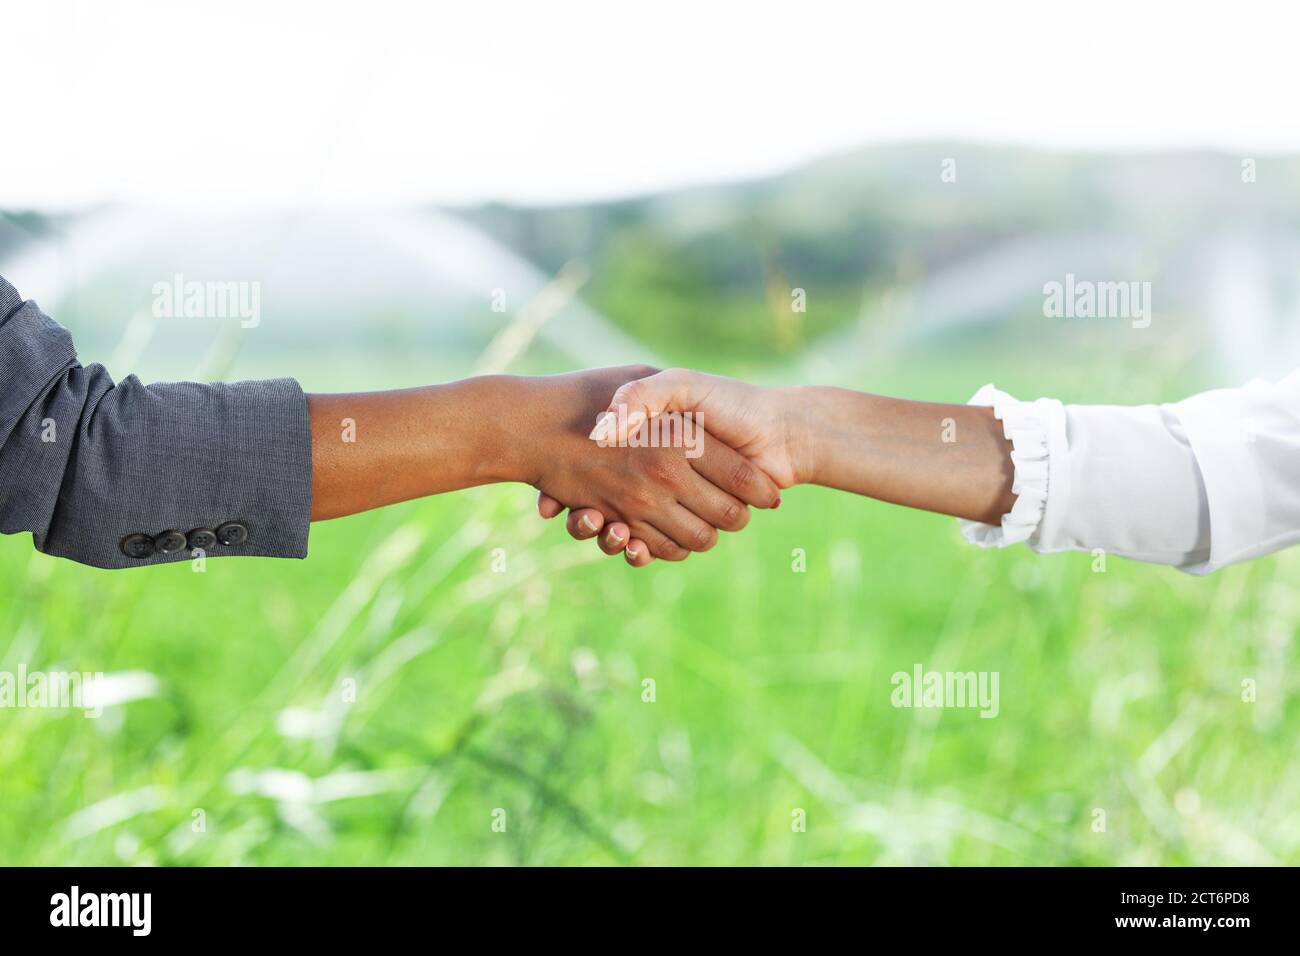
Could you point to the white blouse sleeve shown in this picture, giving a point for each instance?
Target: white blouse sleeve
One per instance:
(1198, 484)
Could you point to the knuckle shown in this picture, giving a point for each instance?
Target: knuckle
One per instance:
(640, 500)
(734, 516)
(629, 394)
(662, 470)
(703, 538)
(670, 551)
(742, 475)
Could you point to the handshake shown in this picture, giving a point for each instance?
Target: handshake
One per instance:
(671, 459)
(654, 464)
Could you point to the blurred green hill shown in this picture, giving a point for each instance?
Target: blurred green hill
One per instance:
(713, 265)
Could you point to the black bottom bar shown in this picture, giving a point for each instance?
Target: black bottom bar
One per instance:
(336, 905)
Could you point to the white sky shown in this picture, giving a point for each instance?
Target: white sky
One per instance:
(378, 102)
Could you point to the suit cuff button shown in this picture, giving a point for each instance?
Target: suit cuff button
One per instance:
(169, 542)
(137, 546)
(202, 539)
(232, 534)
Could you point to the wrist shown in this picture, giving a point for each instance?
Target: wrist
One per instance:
(832, 423)
(506, 407)
(801, 418)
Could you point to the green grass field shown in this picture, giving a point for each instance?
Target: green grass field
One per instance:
(454, 681)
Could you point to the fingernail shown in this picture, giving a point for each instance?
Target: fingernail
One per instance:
(603, 424)
(777, 503)
(633, 551)
(616, 536)
(588, 524)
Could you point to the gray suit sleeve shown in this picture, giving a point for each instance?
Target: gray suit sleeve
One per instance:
(101, 472)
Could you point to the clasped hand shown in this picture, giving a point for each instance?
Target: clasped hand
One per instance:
(653, 499)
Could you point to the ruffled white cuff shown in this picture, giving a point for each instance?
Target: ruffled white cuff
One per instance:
(1026, 425)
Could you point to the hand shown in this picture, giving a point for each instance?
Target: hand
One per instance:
(757, 422)
(890, 449)
(656, 501)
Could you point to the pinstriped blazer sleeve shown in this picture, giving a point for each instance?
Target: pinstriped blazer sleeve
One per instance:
(85, 463)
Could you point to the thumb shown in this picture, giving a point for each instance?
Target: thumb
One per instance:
(672, 390)
(547, 506)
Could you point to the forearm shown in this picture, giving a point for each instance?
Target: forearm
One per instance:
(372, 449)
(951, 459)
